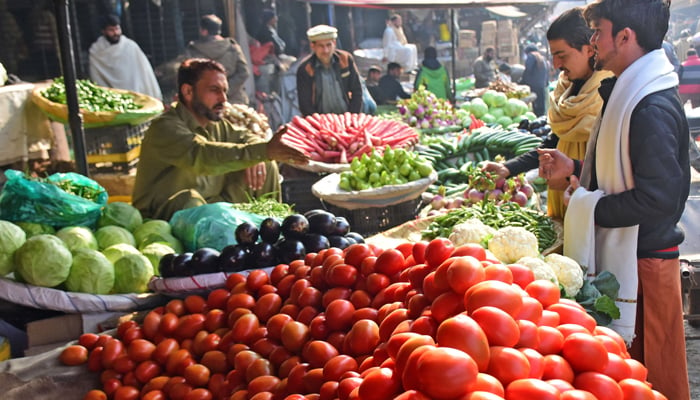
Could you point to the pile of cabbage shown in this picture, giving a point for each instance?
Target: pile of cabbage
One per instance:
(120, 255)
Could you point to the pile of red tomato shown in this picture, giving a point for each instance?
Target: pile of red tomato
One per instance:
(425, 321)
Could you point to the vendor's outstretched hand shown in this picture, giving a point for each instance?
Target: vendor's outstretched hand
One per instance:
(497, 168)
(554, 165)
(278, 151)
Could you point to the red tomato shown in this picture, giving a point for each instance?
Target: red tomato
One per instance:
(233, 280)
(339, 315)
(464, 333)
(481, 395)
(89, 340)
(417, 273)
(569, 314)
(493, 293)
(568, 329)
(112, 349)
(74, 355)
(363, 337)
(95, 395)
(600, 385)
(175, 306)
(617, 368)
(347, 385)
(530, 388)
(488, 383)
(440, 365)
(409, 374)
(264, 383)
(380, 384)
(531, 310)
(576, 394)
(500, 328)
(633, 389)
(551, 340)
(389, 324)
(508, 364)
(545, 291)
(584, 352)
(178, 361)
(197, 375)
(407, 349)
(418, 251)
(267, 305)
(470, 249)
(556, 367)
(294, 335)
(447, 305)
(318, 352)
(195, 304)
(126, 393)
(463, 273)
(411, 395)
(390, 262)
(313, 380)
(245, 326)
(549, 318)
(318, 328)
(335, 293)
(529, 335)
(376, 282)
(344, 275)
(337, 365)
(274, 326)
(259, 367)
(437, 251)
(216, 361)
(639, 371)
(356, 253)
(240, 300)
(536, 362)
(360, 299)
(522, 275)
(256, 279)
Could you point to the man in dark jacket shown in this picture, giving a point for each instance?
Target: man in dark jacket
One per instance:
(638, 167)
(327, 79)
(226, 51)
(536, 77)
(390, 88)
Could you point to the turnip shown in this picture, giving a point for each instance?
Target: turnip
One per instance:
(528, 190)
(520, 198)
(474, 195)
(495, 194)
(437, 202)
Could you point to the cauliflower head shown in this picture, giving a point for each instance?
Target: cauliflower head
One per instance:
(512, 243)
(540, 268)
(568, 272)
(470, 231)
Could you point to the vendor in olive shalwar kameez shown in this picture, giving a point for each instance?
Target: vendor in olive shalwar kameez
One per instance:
(191, 155)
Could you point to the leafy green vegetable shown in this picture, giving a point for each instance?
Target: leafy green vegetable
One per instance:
(77, 237)
(91, 97)
(132, 273)
(33, 228)
(12, 237)
(266, 205)
(597, 297)
(151, 226)
(91, 272)
(154, 252)
(120, 214)
(117, 251)
(43, 260)
(111, 234)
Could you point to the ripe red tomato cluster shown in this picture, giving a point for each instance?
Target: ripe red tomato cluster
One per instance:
(424, 321)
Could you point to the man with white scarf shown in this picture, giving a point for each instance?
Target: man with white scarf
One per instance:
(396, 46)
(623, 214)
(118, 62)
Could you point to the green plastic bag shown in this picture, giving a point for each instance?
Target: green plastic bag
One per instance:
(46, 203)
(210, 225)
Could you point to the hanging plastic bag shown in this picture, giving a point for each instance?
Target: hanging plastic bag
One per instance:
(62, 199)
(210, 225)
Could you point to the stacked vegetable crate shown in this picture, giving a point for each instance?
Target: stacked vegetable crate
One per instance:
(296, 188)
(114, 149)
(371, 220)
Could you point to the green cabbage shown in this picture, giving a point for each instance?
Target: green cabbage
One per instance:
(151, 226)
(132, 273)
(117, 251)
(164, 238)
(43, 260)
(111, 234)
(77, 237)
(154, 252)
(33, 228)
(91, 272)
(120, 214)
(12, 237)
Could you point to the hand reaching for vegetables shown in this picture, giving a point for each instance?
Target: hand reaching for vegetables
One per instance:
(497, 168)
(255, 176)
(278, 151)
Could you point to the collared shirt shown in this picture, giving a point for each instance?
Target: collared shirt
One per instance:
(177, 154)
(330, 95)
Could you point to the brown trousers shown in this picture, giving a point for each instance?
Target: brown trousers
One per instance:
(660, 336)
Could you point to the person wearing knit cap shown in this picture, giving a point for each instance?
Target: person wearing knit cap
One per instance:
(327, 79)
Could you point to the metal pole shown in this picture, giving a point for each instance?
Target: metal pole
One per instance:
(75, 119)
(454, 55)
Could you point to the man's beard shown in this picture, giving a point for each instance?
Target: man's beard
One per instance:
(210, 113)
(113, 39)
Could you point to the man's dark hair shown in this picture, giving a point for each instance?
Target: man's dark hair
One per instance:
(691, 52)
(211, 23)
(191, 70)
(647, 18)
(109, 20)
(571, 27)
(392, 66)
(394, 17)
(430, 52)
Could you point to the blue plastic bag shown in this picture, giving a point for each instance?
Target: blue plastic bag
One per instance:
(210, 225)
(44, 202)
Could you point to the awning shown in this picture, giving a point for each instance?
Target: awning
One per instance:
(506, 11)
(425, 4)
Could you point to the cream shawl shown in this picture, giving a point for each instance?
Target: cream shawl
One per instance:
(614, 249)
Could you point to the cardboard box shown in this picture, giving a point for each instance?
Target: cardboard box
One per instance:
(489, 26)
(466, 38)
(505, 25)
(49, 333)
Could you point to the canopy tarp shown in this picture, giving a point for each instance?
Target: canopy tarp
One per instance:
(424, 3)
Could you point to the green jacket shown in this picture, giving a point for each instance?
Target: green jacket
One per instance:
(178, 154)
(437, 81)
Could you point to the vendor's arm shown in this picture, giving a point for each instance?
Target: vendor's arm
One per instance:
(305, 85)
(659, 178)
(530, 160)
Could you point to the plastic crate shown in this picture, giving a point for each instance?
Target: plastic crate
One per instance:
(118, 143)
(296, 188)
(368, 221)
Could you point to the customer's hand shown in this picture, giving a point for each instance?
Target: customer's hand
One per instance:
(497, 168)
(554, 165)
(573, 185)
(255, 176)
(278, 151)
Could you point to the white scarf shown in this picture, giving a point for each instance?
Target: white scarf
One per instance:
(614, 249)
